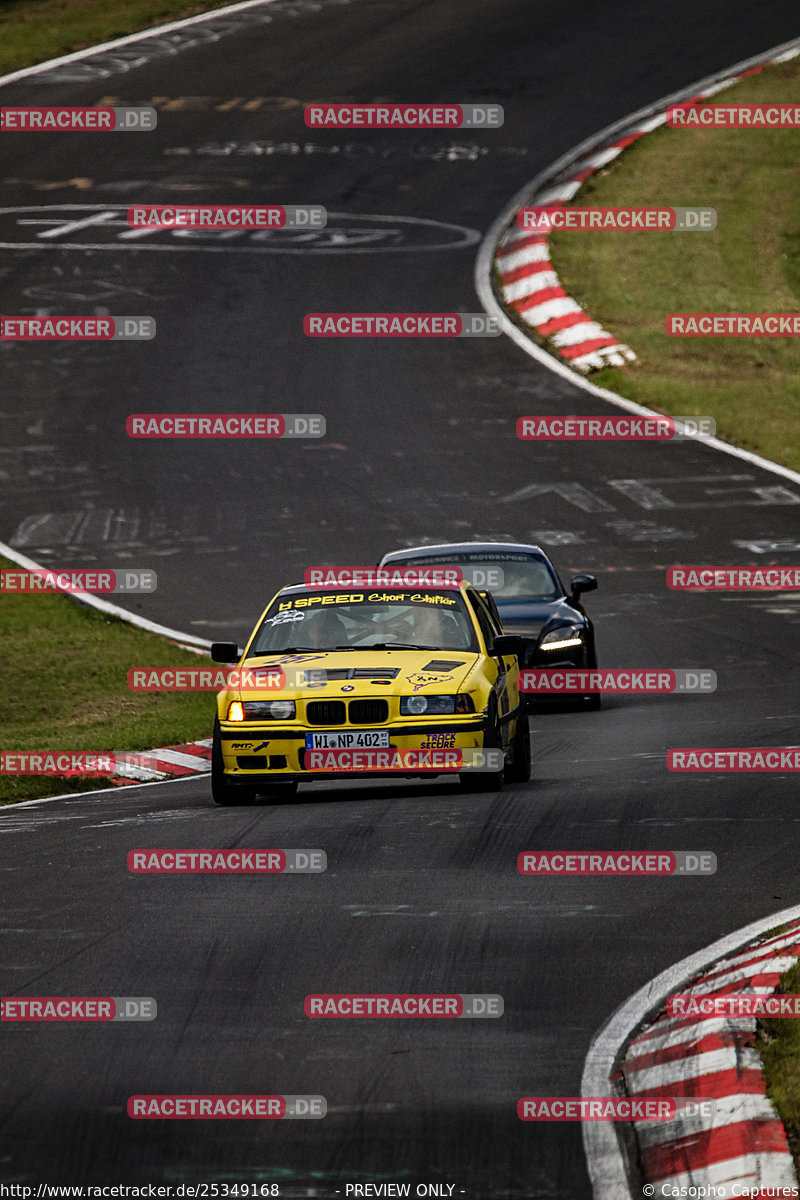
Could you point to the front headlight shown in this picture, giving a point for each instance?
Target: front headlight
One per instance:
(562, 638)
(415, 706)
(259, 710)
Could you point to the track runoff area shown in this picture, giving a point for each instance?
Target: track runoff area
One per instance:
(579, 865)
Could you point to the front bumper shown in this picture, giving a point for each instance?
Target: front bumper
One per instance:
(262, 753)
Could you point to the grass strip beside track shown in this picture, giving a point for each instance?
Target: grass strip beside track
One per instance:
(629, 282)
(63, 678)
(779, 1047)
(33, 31)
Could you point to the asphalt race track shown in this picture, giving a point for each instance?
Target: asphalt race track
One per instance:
(421, 891)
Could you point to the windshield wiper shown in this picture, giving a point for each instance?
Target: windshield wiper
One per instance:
(288, 650)
(395, 646)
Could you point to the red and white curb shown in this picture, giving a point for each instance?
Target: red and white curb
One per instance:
(741, 1149)
(530, 286)
(528, 283)
(165, 762)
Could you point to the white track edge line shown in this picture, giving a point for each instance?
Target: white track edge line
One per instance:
(485, 258)
(105, 606)
(153, 31)
(120, 790)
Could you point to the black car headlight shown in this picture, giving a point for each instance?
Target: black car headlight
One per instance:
(562, 638)
(435, 706)
(260, 710)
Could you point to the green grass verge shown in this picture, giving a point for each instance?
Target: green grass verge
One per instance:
(63, 677)
(32, 31)
(779, 1046)
(750, 263)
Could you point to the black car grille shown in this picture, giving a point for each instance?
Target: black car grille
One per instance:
(252, 762)
(332, 674)
(368, 712)
(325, 712)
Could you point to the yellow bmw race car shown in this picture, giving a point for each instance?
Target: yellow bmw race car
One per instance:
(365, 682)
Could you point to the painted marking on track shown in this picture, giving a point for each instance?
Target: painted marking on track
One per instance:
(648, 531)
(449, 152)
(349, 233)
(745, 494)
(573, 493)
(119, 187)
(559, 537)
(211, 103)
(643, 493)
(768, 546)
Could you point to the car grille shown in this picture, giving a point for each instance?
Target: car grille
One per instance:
(368, 712)
(332, 674)
(252, 762)
(325, 712)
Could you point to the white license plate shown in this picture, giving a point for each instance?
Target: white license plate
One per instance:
(350, 739)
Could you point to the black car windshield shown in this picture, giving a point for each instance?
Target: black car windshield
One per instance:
(524, 577)
(318, 620)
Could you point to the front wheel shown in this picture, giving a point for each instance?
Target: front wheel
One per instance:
(223, 793)
(520, 769)
(486, 781)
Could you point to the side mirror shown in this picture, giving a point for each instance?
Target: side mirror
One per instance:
(582, 583)
(506, 644)
(224, 652)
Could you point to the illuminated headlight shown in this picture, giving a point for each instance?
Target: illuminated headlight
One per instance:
(415, 706)
(259, 710)
(562, 638)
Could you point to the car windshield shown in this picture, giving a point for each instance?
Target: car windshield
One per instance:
(317, 620)
(524, 577)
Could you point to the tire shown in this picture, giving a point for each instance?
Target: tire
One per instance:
(520, 769)
(486, 781)
(223, 793)
(594, 700)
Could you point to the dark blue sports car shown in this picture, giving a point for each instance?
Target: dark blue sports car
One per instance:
(531, 601)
